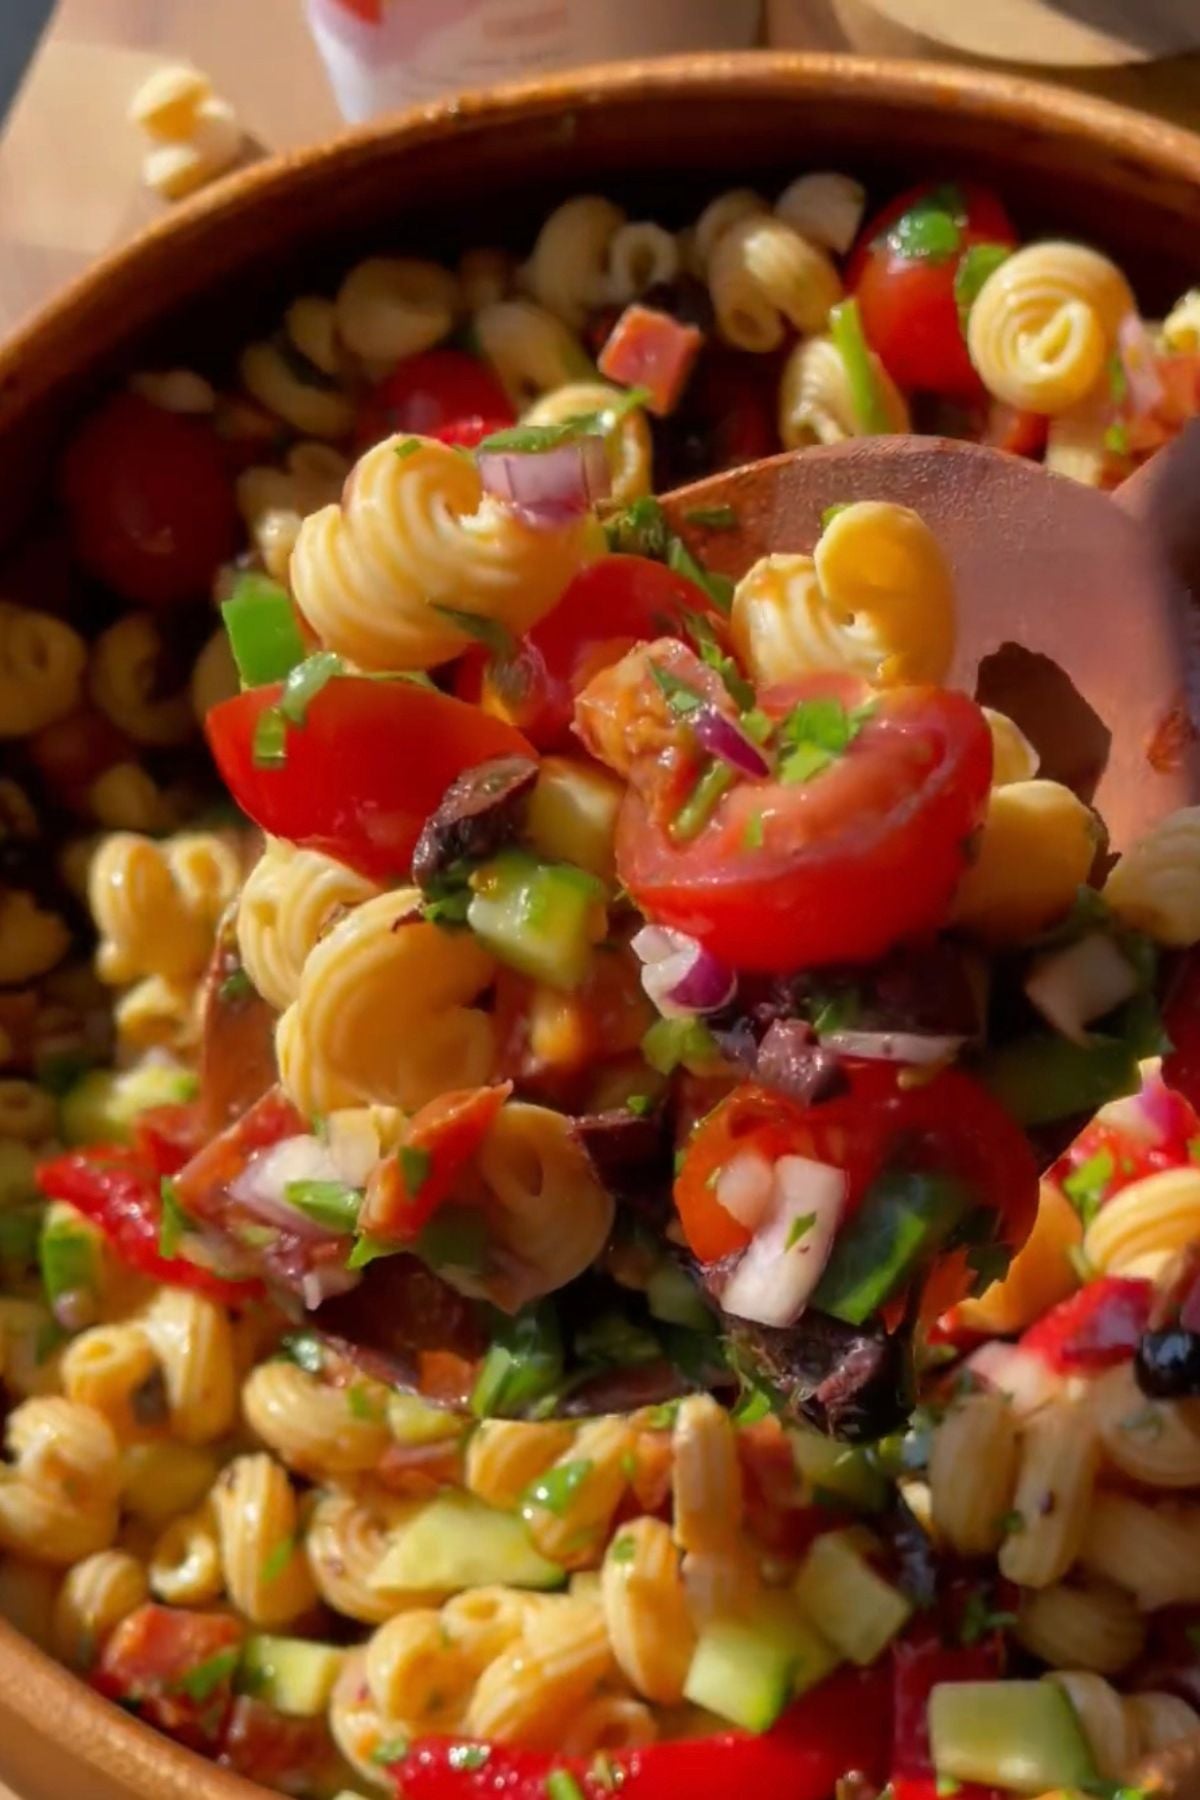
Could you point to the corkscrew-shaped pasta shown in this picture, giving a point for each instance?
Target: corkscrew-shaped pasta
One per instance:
(719, 216)
(550, 1216)
(972, 1472)
(824, 207)
(646, 1610)
(97, 1594)
(1038, 845)
(485, 275)
(275, 502)
(266, 1573)
(58, 1499)
(386, 1012)
(389, 307)
(626, 436)
(415, 531)
(299, 374)
(1075, 1626)
(1152, 1551)
(312, 1427)
(124, 682)
(567, 269)
(1147, 1440)
(762, 275)
(876, 597)
(1155, 886)
(348, 1536)
(816, 402)
(505, 1456)
(156, 905)
(1146, 1223)
(1181, 327)
(288, 899)
(531, 1691)
(641, 255)
(1045, 322)
(41, 669)
(530, 348)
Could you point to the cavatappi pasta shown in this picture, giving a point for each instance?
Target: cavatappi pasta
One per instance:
(186, 1455)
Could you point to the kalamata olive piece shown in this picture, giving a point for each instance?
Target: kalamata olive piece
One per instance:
(1168, 1364)
(478, 814)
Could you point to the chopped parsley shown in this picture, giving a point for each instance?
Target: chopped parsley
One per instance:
(709, 650)
(719, 588)
(1010, 1523)
(277, 1560)
(640, 1105)
(1118, 380)
(305, 682)
(469, 1756)
(490, 632)
(304, 1348)
(363, 1405)
(392, 1750)
(1116, 438)
(202, 1682)
(1086, 1185)
(978, 1619)
(530, 439)
(415, 1165)
(931, 229)
(407, 447)
(815, 734)
(799, 1229)
(752, 836)
(831, 513)
(554, 1491)
(975, 265)
(712, 518)
(332, 1204)
(682, 699)
(624, 1549)
(641, 529)
(236, 987)
(670, 1042)
(174, 1221)
(712, 784)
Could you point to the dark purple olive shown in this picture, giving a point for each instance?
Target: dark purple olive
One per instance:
(479, 813)
(1168, 1364)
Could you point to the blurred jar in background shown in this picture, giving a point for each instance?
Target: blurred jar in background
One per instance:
(383, 54)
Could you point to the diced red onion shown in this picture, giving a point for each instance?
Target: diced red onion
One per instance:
(680, 975)
(773, 1281)
(1136, 350)
(549, 488)
(745, 1187)
(919, 1047)
(259, 1189)
(1155, 1115)
(1027, 1378)
(1083, 982)
(325, 1282)
(728, 742)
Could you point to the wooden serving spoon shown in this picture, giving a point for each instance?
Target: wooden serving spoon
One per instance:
(1075, 619)
(1073, 605)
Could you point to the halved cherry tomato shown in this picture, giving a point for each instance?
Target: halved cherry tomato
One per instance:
(949, 1125)
(906, 298)
(433, 395)
(175, 1669)
(121, 1193)
(149, 502)
(168, 1136)
(1095, 1328)
(364, 771)
(439, 1140)
(607, 608)
(838, 868)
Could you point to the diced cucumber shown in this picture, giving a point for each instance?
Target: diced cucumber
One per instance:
(747, 1667)
(542, 919)
(1022, 1735)
(673, 1297)
(848, 1602)
(457, 1542)
(903, 1218)
(101, 1107)
(572, 814)
(839, 1470)
(413, 1421)
(69, 1260)
(18, 1183)
(1040, 1079)
(290, 1674)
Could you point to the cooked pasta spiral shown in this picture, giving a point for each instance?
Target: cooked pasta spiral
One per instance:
(1147, 1440)
(1094, 1627)
(721, 215)
(1044, 323)
(285, 377)
(762, 275)
(41, 669)
(876, 597)
(123, 680)
(1181, 327)
(641, 255)
(551, 1216)
(567, 269)
(530, 348)
(58, 1501)
(275, 502)
(347, 1539)
(824, 207)
(816, 402)
(646, 1610)
(266, 1573)
(288, 899)
(416, 531)
(386, 1012)
(389, 307)
(1144, 1224)
(1155, 885)
(156, 906)
(626, 437)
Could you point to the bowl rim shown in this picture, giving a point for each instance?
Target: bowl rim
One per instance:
(39, 1693)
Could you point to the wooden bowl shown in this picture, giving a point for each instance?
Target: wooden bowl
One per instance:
(465, 171)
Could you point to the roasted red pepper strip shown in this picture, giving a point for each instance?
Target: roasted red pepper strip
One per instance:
(921, 1662)
(175, 1669)
(122, 1194)
(1095, 1328)
(440, 1139)
(845, 1724)
(168, 1136)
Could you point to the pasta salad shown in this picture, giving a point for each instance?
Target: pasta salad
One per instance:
(627, 1217)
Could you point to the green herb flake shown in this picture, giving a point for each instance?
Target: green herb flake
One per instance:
(362, 1405)
(979, 1620)
(277, 1560)
(976, 264)
(756, 725)
(391, 1750)
(554, 1491)
(1118, 379)
(624, 1549)
(562, 1785)
(640, 1105)
(755, 1404)
(490, 632)
(640, 529)
(988, 1263)
(1010, 1523)
(1116, 438)
(268, 746)
(202, 1682)
(946, 1787)
(682, 699)
(305, 682)
(407, 447)
(368, 1250)
(670, 1042)
(174, 1221)
(712, 518)
(752, 836)
(415, 1165)
(456, 1237)
(332, 1204)
(469, 1756)
(799, 1230)
(236, 988)
(931, 229)
(815, 734)
(530, 439)
(719, 588)
(663, 1417)
(712, 784)
(305, 1349)
(1086, 1186)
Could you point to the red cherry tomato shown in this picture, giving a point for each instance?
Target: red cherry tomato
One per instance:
(444, 1135)
(175, 1669)
(435, 394)
(1095, 1328)
(364, 771)
(71, 753)
(277, 1750)
(168, 1136)
(906, 300)
(835, 869)
(149, 502)
(611, 605)
(121, 1193)
(950, 1125)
